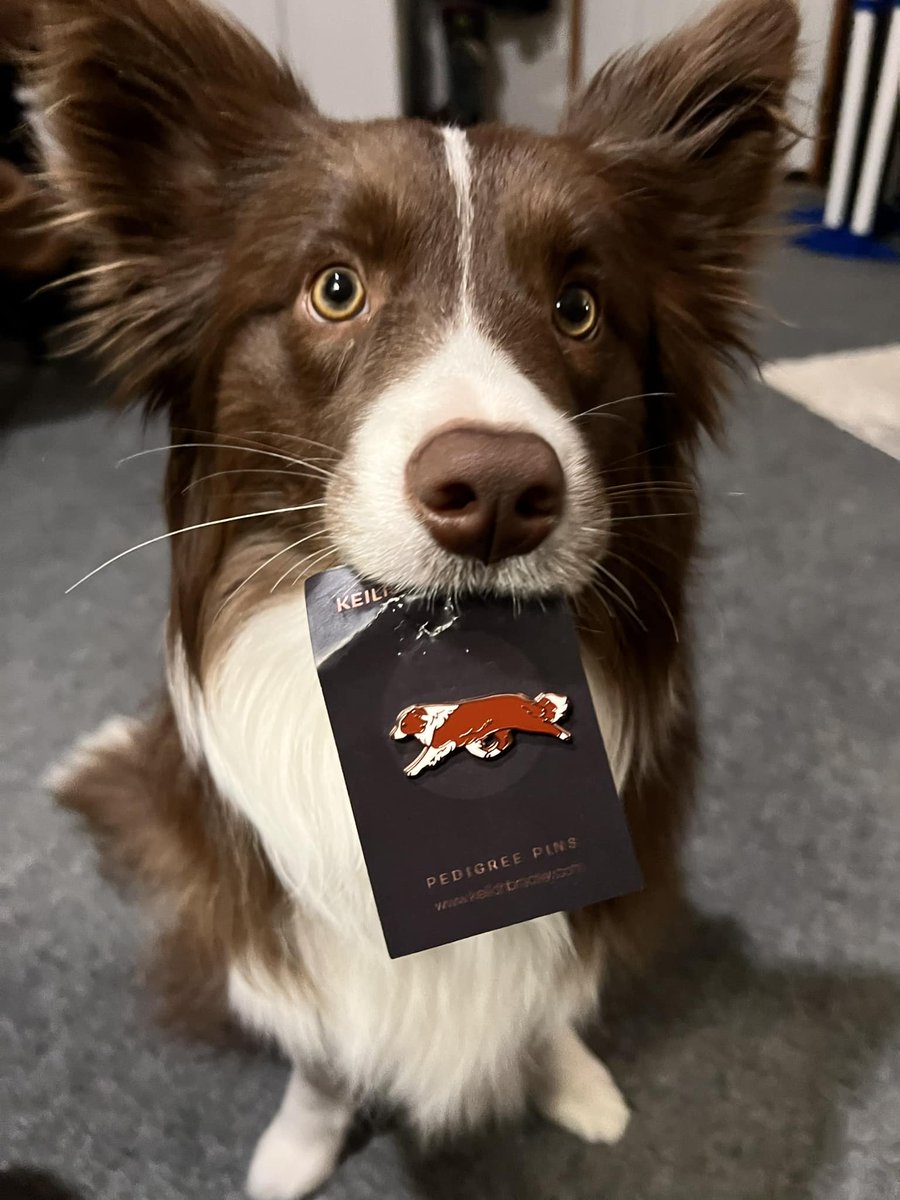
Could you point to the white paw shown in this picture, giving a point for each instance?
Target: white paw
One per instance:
(286, 1165)
(588, 1104)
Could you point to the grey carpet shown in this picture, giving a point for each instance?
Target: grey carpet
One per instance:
(762, 1061)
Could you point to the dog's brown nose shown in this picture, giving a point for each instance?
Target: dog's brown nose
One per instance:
(486, 493)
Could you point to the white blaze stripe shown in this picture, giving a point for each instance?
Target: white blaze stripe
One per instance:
(458, 152)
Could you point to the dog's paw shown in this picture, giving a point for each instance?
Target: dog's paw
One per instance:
(602, 1116)
(585, 1101)
(287, 1165)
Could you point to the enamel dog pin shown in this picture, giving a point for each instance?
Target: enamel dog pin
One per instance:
(485, 727)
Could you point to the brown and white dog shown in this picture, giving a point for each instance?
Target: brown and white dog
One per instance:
(457, 361)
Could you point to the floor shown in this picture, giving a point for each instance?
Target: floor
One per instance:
(763, 1061)
(858, 390)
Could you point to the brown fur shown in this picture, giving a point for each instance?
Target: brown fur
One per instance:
(203, 241)
(164, 834)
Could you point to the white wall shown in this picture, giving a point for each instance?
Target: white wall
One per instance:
(611, 26)
(262, 17)
(817, 18)
(346, 52)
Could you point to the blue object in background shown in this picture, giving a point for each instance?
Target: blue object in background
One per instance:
(850, 226)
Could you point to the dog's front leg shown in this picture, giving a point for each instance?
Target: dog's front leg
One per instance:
(300, 1148)
(576, 1091)
(430, 757)
(421, 762)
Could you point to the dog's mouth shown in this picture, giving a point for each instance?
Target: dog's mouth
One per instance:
(465, 478)
(413, 562)
(428, 572)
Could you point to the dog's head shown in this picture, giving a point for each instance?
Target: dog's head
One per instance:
(453, 360)
(411, 722)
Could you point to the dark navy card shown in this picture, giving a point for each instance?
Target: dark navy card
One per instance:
(476, 769)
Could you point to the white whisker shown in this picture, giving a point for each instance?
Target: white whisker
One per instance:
(294, 437)
(297, 566)
(252, 442)
(650, 485)
(601, 416)
(595, 589)
(632, 609)
(648, 517)
(297, 462)
(317, 559)
(643, 574)
(248, 471)
(272, 512)
(654, 542)
(319, 532)
(590, 412)
(642, 453)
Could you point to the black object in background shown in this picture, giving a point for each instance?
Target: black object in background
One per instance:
(466, 52)
(31, 305)
(468, 57)
(30, 1183)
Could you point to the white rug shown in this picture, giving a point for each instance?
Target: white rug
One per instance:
(858, 391)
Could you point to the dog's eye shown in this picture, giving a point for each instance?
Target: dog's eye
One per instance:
(576, 311)
(337, 294)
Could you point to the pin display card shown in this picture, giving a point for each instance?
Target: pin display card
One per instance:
(472, 755)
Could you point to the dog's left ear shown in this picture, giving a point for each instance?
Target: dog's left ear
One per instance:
(708, 102)
(689, 134)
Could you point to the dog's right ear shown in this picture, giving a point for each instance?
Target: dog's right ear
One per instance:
(158, 120)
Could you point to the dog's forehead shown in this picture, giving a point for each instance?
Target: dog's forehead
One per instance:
(518, 177)
(441, 193)
(387, 160)
(454, 230)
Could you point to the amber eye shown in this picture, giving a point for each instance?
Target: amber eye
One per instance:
(337, 294)
(576, 312)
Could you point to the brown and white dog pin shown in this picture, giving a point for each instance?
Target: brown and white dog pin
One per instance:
(486, 727)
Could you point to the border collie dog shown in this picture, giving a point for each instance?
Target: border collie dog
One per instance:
(460, 362)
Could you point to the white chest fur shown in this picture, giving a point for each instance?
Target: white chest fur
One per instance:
(444, 1032)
